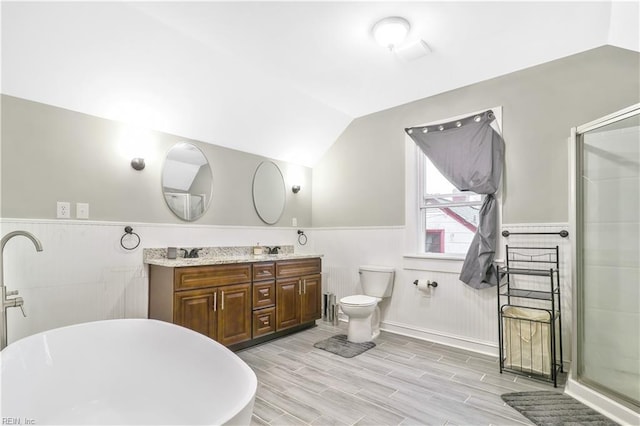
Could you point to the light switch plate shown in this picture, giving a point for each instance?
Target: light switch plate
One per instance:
(82, 211)
(63, 210)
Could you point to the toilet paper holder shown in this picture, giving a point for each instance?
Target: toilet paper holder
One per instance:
(429, 283)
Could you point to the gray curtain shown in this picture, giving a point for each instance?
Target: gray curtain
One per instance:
(470, 154)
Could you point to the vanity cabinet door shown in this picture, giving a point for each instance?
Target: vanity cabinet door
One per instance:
(287, 303)
(234, 314)
(196, 309)
(310, 304)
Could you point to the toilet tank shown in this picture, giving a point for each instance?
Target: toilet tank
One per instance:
(377, 281)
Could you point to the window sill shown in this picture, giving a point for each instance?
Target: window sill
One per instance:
(438, 256)
(433, 262)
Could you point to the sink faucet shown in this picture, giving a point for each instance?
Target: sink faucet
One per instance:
(273, 250)
(14, 301)
(190, 254)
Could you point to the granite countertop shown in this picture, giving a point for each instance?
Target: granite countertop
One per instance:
(220, 256)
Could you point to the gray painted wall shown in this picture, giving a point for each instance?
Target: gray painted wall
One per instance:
(51, 154)
(361, 179)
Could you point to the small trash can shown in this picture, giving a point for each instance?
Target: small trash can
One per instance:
(527, 340)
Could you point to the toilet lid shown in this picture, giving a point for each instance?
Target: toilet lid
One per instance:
(359, 300)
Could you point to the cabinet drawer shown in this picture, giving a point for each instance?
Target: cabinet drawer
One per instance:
(264, 294)
(264, 322)
(211, 276)
(298, 267)
(264, 271)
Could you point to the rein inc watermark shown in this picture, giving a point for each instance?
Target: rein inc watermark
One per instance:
(18, 421)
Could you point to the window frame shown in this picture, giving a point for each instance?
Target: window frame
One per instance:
(416, 227)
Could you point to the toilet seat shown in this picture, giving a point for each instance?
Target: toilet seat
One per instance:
(359, 300)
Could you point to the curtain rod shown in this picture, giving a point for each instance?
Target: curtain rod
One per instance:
(476, 118)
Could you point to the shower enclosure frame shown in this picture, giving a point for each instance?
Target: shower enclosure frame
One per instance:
(587, 391)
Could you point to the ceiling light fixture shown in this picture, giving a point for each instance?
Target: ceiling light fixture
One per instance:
(390, 32)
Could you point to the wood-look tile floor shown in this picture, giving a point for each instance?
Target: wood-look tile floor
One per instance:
(402, 381)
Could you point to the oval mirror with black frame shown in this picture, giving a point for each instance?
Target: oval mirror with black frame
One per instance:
(187, 181)
(269, 194)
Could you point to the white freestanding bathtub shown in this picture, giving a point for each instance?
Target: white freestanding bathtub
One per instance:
(132, 371)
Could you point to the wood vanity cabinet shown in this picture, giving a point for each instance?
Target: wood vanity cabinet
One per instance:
(212, 300)
(238, 304)
(298, 290)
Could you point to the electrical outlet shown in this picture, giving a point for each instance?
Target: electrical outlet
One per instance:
(82, 210)
(294, 221)
(63, 210)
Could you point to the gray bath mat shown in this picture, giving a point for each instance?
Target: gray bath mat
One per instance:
(553, 408)
(339, 345)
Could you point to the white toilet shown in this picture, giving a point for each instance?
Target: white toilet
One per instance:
(362, 309)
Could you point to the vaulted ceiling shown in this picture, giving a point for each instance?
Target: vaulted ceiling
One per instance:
(279, 79)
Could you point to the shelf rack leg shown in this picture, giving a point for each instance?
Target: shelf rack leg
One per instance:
(499, 318)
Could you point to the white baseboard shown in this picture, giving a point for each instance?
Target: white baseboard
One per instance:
(461, 342)
(615, 411)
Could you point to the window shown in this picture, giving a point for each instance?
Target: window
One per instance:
(441, 220)
(449, 217)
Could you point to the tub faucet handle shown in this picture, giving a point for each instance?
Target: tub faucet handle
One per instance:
(14, 301)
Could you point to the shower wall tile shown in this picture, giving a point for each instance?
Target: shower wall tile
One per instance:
(613, 332)
(612, 201)
(612, 244)
(613, 154)
(612, 288)
(611, 346)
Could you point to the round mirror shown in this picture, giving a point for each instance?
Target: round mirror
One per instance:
(187, 181)
(268, 192)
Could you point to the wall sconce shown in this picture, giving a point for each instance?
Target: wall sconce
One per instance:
(138, 163)
(295, 189)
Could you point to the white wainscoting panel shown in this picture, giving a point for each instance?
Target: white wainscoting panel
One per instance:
(84, 274)
(453, 313)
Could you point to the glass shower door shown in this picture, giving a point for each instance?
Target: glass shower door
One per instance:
(608, 285)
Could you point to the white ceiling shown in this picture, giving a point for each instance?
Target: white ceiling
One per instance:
(279, 79)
